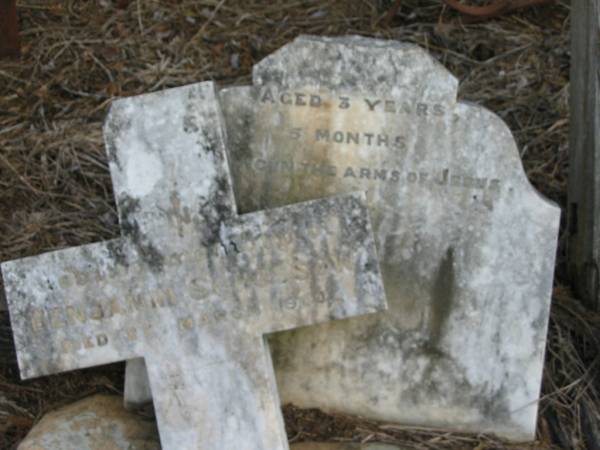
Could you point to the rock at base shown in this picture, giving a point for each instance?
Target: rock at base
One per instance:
(95, 423)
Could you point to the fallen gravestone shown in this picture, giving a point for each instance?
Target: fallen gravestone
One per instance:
(191, 293)
(466, 244)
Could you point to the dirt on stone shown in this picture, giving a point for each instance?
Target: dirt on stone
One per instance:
(56, 190)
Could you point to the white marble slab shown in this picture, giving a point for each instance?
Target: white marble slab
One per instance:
(466, 244)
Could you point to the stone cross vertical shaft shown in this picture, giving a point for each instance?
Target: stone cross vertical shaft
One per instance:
(190, 286)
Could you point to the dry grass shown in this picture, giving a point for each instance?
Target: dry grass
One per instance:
(56, 190)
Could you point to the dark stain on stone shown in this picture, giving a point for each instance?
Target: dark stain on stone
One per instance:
(210, 144)
(128, 207)
(131, 229)
(494, 407)
(117, 253)
(238, 130)
(214, 211)
(111, 150)
(116, 125)
(443, 294)
(192, 94)
(231, 248)
(189, 124)
(223, 206)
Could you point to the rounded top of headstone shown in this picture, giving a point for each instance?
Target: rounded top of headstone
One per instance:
(351, 63)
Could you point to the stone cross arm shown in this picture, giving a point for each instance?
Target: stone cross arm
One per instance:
(274, 270)
(199, 324)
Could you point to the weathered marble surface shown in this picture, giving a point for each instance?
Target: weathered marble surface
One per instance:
(191, 287)
(466, 244)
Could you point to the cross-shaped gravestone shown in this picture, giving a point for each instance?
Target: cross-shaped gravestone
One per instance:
(191, 287)
(466, 244)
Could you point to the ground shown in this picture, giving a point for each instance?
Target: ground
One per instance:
(56, 191)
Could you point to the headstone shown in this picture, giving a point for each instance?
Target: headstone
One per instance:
(192, 293)
(584, 152)
(466, 244)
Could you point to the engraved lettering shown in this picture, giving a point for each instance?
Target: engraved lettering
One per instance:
(322, 135)
(352, 138)
(101, 340)
(65, 282)
(379, 174)
(267, 96)
(300, 99)
(479, 183)
(495, 185)
(96, 312)
(373, 104)
(170, 295)
(132, 334)
(382, 139)
(438, 110)
(56, 318)
(444, 179)
(349, 173)
(115, 307)
(37, 322)
(69, 346)
(400, 142)
(285, 98)
(186, 323)
(87, 342)
(75, 315)
(296, 133)
(135, 301)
